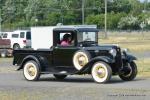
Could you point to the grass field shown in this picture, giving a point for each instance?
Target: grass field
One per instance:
(136, 43)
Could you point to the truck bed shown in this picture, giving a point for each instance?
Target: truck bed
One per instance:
(21, 54)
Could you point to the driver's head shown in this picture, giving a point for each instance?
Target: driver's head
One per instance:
(67, 37)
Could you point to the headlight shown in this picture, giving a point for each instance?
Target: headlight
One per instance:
(125, 50)
(113, 52)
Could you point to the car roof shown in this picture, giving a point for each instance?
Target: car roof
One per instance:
(21, 30)
(77, 29)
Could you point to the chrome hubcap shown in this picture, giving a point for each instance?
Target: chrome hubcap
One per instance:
(82, 60)
(31, 70)
(100, 72)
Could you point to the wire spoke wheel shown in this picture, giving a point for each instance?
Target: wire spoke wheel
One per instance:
(101, 72)
(131, 74)
(80, 59)
(31, 71)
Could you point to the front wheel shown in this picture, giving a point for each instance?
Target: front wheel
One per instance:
(60, 77)
(31, 71)
(101, 72)
(81, 58)
(131, 72)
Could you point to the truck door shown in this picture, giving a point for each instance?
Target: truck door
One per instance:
(63, 56)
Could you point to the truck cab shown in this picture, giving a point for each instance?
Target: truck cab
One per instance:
(83, 56)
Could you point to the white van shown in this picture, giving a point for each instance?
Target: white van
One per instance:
(21, 39)
(6, 35)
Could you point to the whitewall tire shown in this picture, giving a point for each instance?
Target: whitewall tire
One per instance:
(132, 73)
(80, 59)
(31, 71)
(101, 72)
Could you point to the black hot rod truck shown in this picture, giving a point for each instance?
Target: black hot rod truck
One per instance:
(82, 56)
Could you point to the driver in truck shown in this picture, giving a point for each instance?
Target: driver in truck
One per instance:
(66, 41)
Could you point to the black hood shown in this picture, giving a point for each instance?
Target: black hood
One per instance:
(101, 47)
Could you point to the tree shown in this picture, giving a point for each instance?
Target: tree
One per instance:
(129, 23)
(27, 13)
(136, 7)
(96, 19)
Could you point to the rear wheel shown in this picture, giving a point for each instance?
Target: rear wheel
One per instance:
(31, 71)
(101, 72)
(60, 77)
(131, 72)
(80, 59)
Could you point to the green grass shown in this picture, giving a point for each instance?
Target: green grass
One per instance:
(135, 42)
(6, 59)
(143, 67)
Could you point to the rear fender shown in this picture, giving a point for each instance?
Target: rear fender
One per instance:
(28, 58)
(88, 66)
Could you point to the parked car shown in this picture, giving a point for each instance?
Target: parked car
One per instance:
(21, 39)
(5, 47)
(82, 56)
(6, 35)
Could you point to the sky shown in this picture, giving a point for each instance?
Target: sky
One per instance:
(144, 0)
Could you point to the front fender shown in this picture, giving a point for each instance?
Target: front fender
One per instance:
(129, 58)
(102, 58)
(27, 58)
(88, 66)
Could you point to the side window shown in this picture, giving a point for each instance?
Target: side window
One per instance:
(22, 34)
(28, 36)
(5, 35)
(15, 35)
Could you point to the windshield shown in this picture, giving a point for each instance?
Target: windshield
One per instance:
(87, 36)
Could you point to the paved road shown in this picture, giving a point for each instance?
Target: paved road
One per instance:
(13, 86)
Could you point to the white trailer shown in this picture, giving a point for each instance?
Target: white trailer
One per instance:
(42, 37)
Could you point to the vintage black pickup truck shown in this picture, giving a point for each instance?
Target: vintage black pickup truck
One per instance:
(83, 56)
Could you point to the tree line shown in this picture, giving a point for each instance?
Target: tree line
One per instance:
(122, 14)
